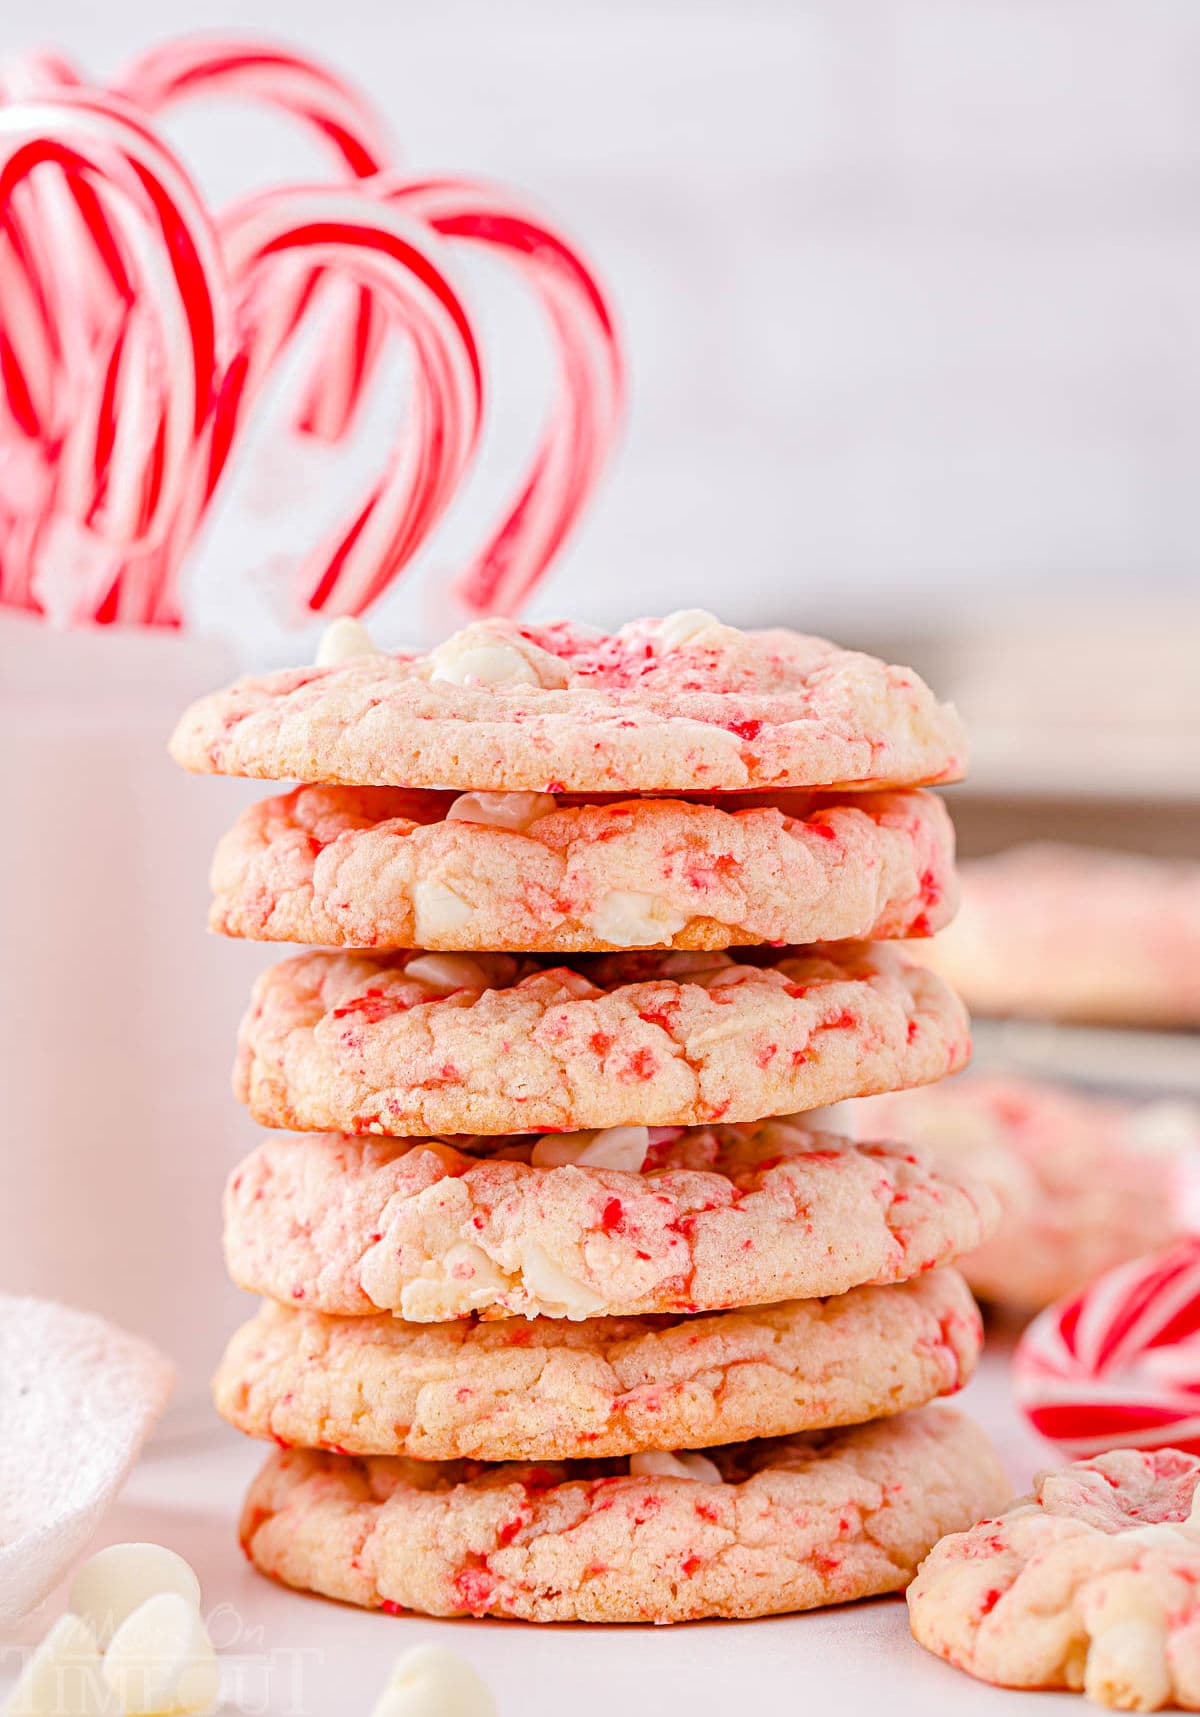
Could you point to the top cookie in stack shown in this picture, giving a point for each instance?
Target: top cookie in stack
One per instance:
(595, 910)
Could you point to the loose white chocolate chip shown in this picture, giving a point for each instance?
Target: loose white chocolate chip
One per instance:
(342, 641)
(555, 1293)
(115, 1582)
(628, 919)
(659, 1463)
(488, 653)
(161, 1662)
(611, 1148)
(430, 1681)
(63, 1675)
(438, 910)
(691, 626)
(446, 973)
(517, 811)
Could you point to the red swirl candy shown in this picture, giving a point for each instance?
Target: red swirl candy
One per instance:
(1119, 1364)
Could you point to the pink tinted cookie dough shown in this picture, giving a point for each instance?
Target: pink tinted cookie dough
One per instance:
(555, 1390)
(496, 1044)
(1084, 1182)
(1089, 1583)
(717, 1217)
(374, 867)
(1076, 933)
(677, 705)
(773, 1526)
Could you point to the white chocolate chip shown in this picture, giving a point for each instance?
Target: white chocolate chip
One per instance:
(161, 1662)
(518, 811)
(658, 1463)
(492, 653)
(438, 910)
(629, 919)
(446, 973)
(611, 1148)
(115, 1582)
(691, 626)
(463, 1279)
(581, 989)
(63, 1675)
(431, 1681)
(690, 965)
(554, 1293)
(342, 641)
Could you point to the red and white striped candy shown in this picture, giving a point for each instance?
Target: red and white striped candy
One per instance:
(402, 264)
(585, 417)
(161, 253)
(1119, 1364)
(248, 70)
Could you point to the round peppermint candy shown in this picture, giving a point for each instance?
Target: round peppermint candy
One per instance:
(1119, 1364)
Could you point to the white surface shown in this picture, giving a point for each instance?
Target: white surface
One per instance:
(284, 1655)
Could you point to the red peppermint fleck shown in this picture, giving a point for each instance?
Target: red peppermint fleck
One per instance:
(689, 1565)
(642, 1064)
(612, 1218)
(745, 729)
(473, 1588)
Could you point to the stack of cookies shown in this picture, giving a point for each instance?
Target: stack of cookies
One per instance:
(567, 1314)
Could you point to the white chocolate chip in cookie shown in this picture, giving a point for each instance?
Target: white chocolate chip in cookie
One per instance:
(445, 973)
(462, 1280)
(692, 626)
(555, 1293)
(492, 653)
(660, 1463)
(611, 1148)
(116, 1581)
(517, 811)
(342, 641)
(431, 1681)
(438, 910)
(629, 919)
(689, 966)
(161, 1662)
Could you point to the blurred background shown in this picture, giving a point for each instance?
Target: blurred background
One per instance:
(911, 296)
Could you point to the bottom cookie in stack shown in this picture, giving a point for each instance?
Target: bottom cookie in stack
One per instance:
(539, 1466)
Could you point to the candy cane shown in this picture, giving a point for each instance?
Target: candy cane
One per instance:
(587, 413)
(403, 267)
(146, 200)
(250, 70)
(1119, 1364)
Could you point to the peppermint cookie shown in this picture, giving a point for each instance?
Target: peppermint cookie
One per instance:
(676, 705)
(1084, 1182)
(716, 1217)
(378, 867)
(454, 1043)
(553, 1390)
(1090, 1583)
(1074, 933)
(748, 1530)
